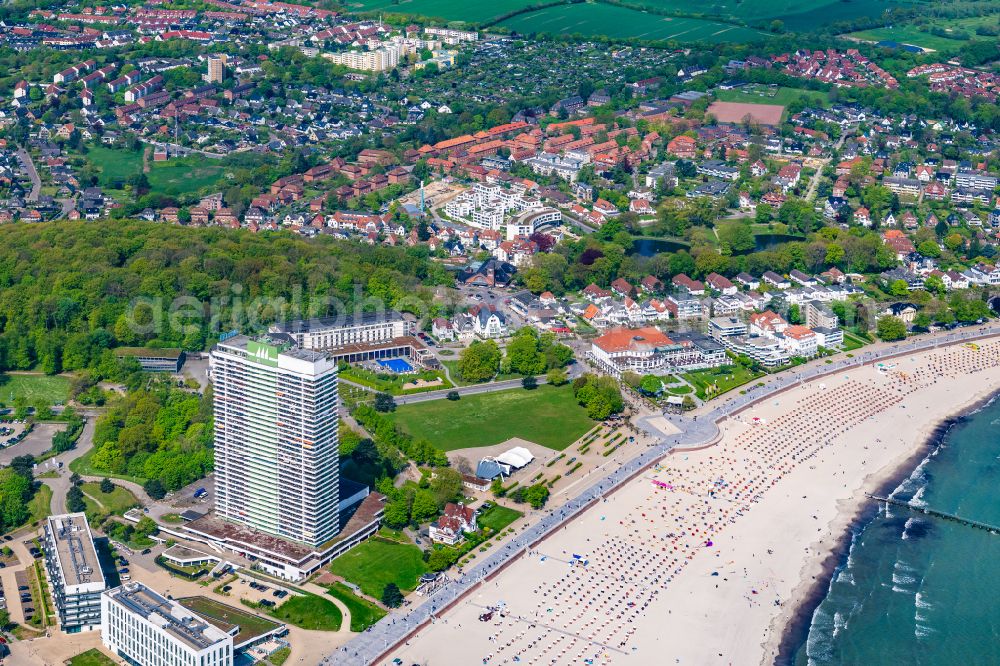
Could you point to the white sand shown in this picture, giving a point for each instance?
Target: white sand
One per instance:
(787, 485)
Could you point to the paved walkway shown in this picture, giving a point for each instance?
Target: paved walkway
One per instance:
(696, 430)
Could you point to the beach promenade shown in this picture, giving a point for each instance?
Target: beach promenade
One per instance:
(724, 417)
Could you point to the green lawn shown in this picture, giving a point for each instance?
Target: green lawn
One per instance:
(279, 657)
(309, 612)
(41, 504)
(250, 625)
(852, 342)
(497, 518)
(189, 174)
(547, 415)
(377, 562)
(117, 502)
(780, 96)
(92, 657)
(592, 19)
(114, 165)
(363, 612)
(176, 176)
(38, 390)
(724, 378)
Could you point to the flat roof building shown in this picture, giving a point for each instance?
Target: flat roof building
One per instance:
(333, 332)
(75, 577)
(154, 360)
(143, 627)
(276, 455)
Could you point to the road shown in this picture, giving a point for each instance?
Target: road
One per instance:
(67, 206)
(696, 430)
(29, 165)
(814, 181)
(60, 485)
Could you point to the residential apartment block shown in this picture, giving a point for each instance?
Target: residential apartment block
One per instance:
(143, 627)
(75, 578)
(276, 457)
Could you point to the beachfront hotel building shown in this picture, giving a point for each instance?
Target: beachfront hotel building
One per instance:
(276, 456)
(333, 332)
(143, 627)
(75, 578)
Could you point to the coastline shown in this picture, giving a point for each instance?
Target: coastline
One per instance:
(852, 517)
(740, 551)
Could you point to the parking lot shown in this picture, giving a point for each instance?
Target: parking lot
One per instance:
(37, 442)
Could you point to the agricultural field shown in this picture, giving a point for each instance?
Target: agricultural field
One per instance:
(781, 96)
(822, 14)
(959, 32)
(547, 415)
(450, 10)
(592, 19)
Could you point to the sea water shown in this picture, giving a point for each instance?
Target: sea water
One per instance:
(914, 589)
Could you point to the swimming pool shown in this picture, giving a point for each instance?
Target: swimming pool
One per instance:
(397, 365)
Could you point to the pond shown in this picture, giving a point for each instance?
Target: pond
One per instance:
(649, 247)
(771, 241)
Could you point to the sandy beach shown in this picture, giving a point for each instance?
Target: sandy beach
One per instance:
(705, 558)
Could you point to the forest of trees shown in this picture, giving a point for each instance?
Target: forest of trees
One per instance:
(161, 432)
(67, 289)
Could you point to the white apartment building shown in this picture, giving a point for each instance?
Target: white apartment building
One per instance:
(485, 206)
(332, 332)
(74, 573)
(276, 455)
(449, 36)
(143, 627)
(532, 220)
(381, 59)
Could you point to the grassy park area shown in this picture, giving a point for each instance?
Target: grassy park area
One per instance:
(377, 562)
(497, 517)
(37, 390)
(309, 612)
(755, 93)
(363, 612)
(547, 415)
(92, 657)
(711, 382)
(175, 176)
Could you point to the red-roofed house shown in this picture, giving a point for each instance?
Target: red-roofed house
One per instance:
(453, 523)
